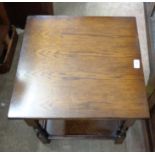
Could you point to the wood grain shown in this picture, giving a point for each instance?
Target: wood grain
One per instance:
(79, 67)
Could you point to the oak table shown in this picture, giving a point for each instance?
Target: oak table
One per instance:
(79, 76)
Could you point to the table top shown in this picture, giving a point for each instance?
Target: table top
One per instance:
(79, 67)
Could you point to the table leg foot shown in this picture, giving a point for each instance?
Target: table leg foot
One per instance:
(120, 133)
(120, 136)
(40, 131)
(43, 137)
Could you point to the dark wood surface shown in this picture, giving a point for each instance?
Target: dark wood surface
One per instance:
(79, 67)
(3, 15)
(3, 32)
(18, 11)
(8, 40)
(8, 51)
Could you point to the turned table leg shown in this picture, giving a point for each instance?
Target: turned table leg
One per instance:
(41, 132)
(120, 133)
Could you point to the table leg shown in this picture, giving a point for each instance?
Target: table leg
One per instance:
(120, 133)
(41, 132)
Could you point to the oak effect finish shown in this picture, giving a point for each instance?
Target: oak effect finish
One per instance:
(79, 67)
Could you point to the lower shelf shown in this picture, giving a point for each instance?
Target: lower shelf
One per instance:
(81, 128)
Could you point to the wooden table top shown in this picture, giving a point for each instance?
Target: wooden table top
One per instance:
(79, 67)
